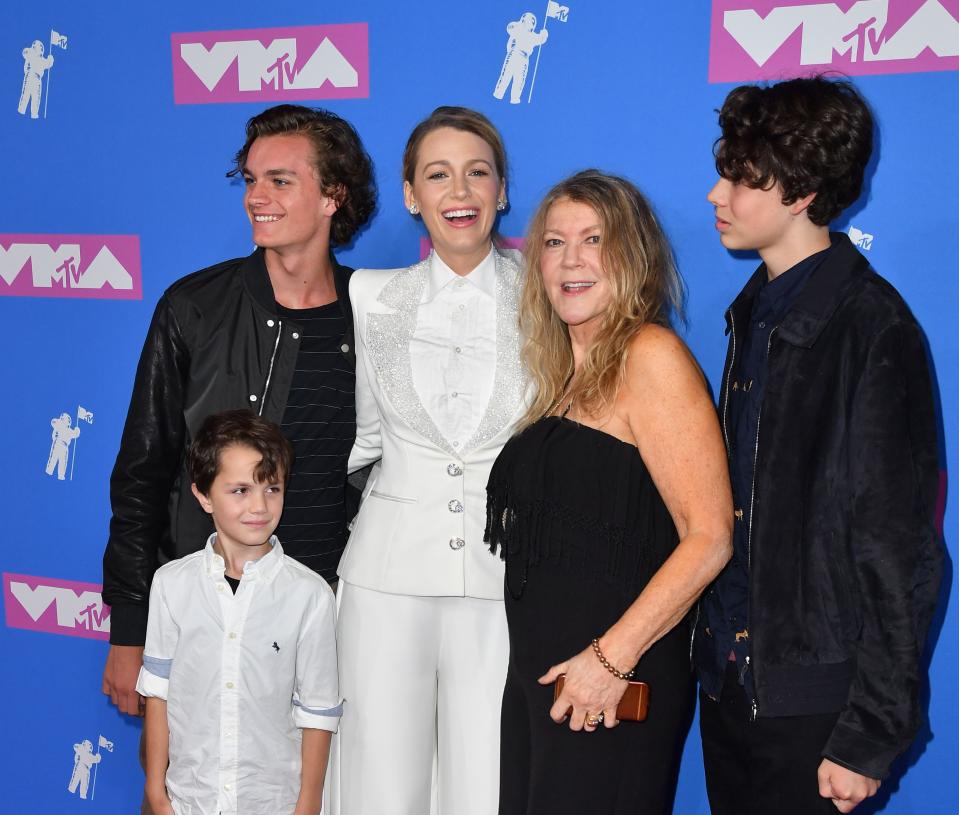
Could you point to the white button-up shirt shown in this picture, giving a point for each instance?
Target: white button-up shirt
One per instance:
(453, 348)
(241, 675)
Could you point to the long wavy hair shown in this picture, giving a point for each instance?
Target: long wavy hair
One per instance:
(644, 284)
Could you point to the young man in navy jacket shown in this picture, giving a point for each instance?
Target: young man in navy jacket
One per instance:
(808, 644)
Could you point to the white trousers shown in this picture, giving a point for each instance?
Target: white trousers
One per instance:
(422, 680)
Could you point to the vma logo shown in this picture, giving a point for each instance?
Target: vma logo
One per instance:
(272, 64)
(55, 606)
(104, 267)
(764, 39)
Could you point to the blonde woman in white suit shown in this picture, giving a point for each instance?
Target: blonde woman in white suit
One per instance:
(422, 640)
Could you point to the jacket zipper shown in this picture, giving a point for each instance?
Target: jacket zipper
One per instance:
(749, 531)
(269, 373)
(752, 488)
(699, 603)
(692, 634)
(729, 372)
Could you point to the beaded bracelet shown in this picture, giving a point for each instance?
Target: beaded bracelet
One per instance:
(599, 655)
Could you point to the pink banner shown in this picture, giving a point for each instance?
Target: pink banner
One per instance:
(103, 267)
(776, 39)
(271, 64)
(55, 606)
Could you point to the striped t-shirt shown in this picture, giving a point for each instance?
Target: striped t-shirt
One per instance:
(320, 422)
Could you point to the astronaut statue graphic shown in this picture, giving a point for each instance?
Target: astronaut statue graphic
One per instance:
(83, 759)
(523, 38)
(34, 64)
(63, 434)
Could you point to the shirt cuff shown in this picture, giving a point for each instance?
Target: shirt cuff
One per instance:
(317, 718)
(149, 684)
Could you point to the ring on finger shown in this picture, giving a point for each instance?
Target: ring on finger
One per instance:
(593, 721)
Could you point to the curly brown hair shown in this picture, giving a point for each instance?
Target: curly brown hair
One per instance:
(808, 135)
(344, 166)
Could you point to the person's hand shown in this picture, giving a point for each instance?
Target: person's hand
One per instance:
(589, 690)
(846, 788)
(120, 678)
(158, 800)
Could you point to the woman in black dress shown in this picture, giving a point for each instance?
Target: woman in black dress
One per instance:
(611, 507)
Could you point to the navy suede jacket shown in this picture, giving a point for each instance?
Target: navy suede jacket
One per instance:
(845, 560)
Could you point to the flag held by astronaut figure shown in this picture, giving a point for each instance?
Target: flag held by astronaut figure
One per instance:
(557, 12)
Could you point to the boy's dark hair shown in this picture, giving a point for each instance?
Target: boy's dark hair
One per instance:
(344, 166)
(238, 428)
(809, 135)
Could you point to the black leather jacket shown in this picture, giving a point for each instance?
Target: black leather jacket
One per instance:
(844, 556)
(215, 343)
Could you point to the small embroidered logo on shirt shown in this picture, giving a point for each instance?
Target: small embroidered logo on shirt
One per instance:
(276, 647)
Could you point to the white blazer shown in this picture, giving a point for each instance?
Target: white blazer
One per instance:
(420, 526)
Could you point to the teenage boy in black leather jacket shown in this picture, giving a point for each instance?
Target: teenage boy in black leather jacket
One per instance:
(808, 644)
(271, 332)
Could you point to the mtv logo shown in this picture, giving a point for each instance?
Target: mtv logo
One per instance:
(55, 606)
(103, 267)
(862, 239)
(758, 39)
(271, 64)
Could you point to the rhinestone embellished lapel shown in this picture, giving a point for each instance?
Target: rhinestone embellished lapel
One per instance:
(509, 381)
(388, 340)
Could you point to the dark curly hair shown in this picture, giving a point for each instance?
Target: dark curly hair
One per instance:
(238, 428)
(808, 135)
(344, 166)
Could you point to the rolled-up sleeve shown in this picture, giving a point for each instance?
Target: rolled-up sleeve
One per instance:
(161, 642)
(316, 698)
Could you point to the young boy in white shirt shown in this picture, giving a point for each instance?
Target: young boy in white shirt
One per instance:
(239, 667)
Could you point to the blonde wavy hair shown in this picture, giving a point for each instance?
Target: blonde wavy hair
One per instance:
(644, 284)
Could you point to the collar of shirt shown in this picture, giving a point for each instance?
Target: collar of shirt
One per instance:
(263, 568)
(777, 295)
(483, 277)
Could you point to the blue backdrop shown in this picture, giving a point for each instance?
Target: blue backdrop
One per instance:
(117, 188)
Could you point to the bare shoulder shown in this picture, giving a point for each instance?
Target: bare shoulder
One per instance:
(659, 359)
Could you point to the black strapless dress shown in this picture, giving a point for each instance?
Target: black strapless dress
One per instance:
(582, 527)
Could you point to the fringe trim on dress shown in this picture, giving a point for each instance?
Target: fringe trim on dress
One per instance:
(534, 531)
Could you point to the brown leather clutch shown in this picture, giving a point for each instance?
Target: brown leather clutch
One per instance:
(631, 708)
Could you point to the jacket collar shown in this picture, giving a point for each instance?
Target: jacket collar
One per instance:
(819, 299)
(256, 278)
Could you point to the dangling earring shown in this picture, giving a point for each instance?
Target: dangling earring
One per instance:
(500, 205)
(414, 210)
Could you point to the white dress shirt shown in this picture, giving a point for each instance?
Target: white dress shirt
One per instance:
(453, 349)
(241, 675)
